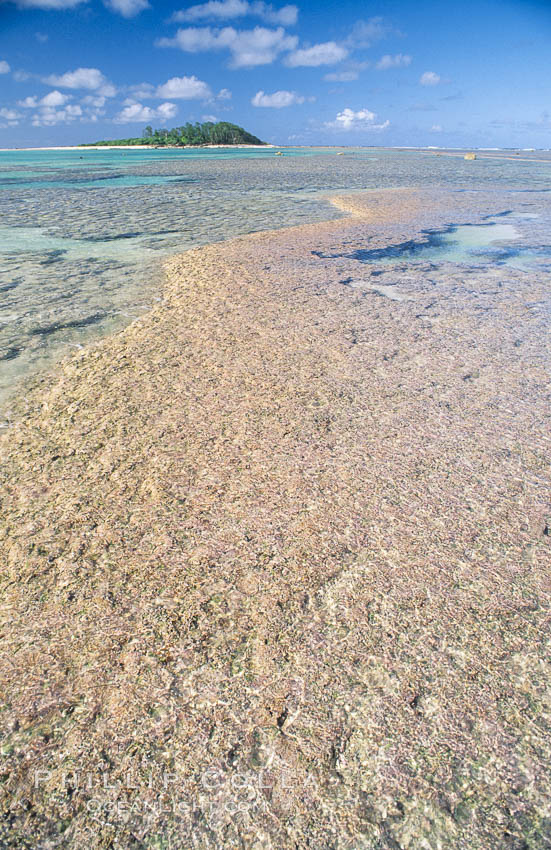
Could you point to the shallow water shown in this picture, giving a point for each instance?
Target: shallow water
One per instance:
(493, 242)
(490, 243)
(82, 232)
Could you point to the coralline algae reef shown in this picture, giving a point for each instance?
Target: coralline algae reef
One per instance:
(276, 558)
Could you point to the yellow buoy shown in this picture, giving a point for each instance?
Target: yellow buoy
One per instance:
(470, 156)
(279, 153)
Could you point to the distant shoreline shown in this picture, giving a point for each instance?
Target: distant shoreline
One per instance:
(132, 147)
(482, 153)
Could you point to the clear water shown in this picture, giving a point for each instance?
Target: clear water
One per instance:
(82, 232)
(491, 243)
(469, 245)
(468, 242)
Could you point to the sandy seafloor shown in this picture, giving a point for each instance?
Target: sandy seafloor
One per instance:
(276, 556)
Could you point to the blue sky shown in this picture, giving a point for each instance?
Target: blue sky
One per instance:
(358, 73)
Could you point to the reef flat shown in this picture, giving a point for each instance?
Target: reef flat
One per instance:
(276, 556)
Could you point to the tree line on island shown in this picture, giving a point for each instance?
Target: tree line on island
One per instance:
(209, 133)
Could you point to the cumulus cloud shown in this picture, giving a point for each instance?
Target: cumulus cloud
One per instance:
(167, 110)
(126, 8)
(92, 101)
(4, 67)
(248, 48)
(134, 113)
(59, 108)
(362, 119)
(429, 78)
(48, 116)
(28, 103)
(347, 118)
(51, 100)
(186, 88)
(328, 53)
(278, 99)
(21, 76)
(211, 118)
(342, 77)
(83, 78)
(399, 60)
(55, 98)
(56, 108)
(10, 115)
(436, 128)
(224, 10)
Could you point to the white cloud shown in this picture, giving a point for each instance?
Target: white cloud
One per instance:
(186, 88)
(328, 53)
(126, 8)
(220, 9)
(278, 99)
(436, 128)
(135, 112)
(364, 33)
(223, 10)
(399, 60)
(41, 37)
(4, 67)
(429, 78)
(93, 107)
(212, 118)
(55, 108)
(48, 116)
(95, 102)
(259, 46)
(83, 78)
(342, 77)
(28, 103)
(9, 114)
(347, 118)
(49, 5)
(167, 110)
(54, 98)
(363, 119)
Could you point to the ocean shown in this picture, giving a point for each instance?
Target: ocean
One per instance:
(83, 232)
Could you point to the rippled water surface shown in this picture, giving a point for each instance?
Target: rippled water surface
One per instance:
(82, 232)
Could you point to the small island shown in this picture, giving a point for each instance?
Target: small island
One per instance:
(188, 135)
